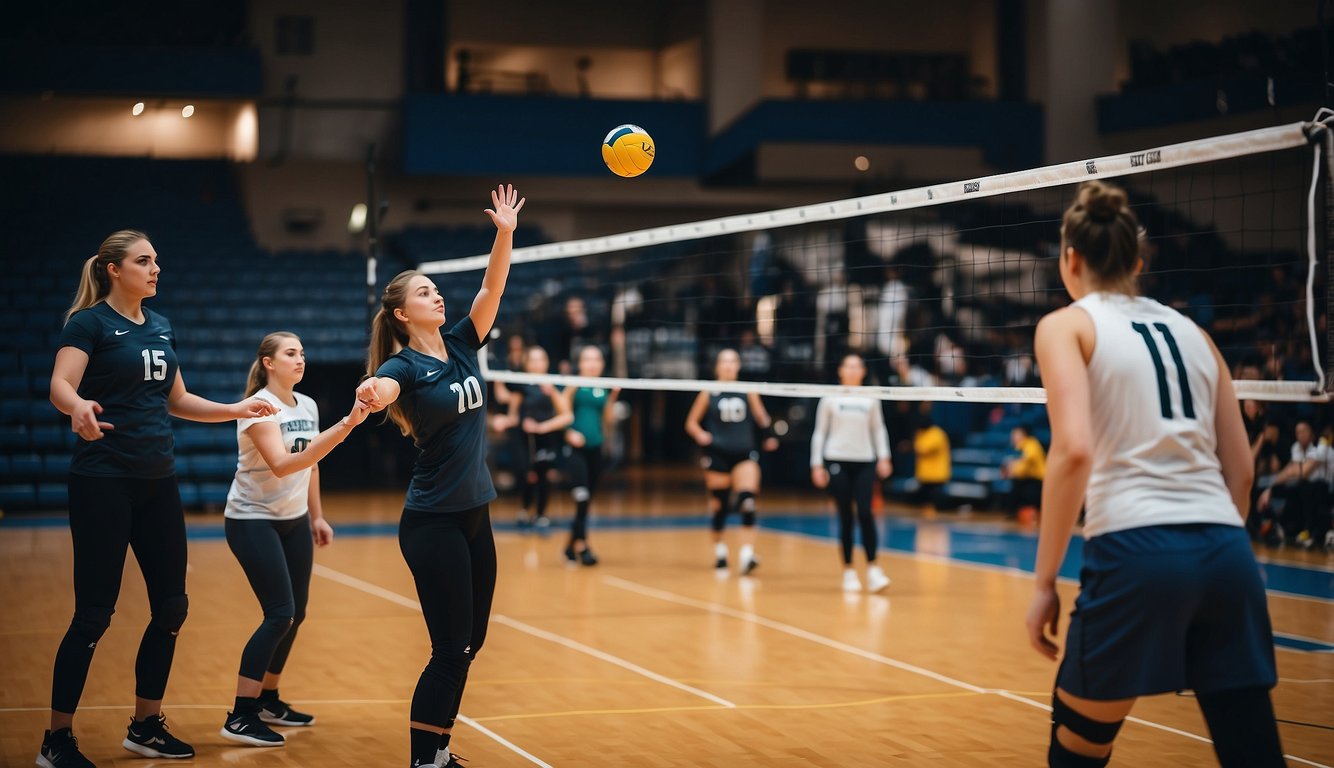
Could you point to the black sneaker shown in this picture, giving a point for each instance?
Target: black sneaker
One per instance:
(750, 567)
(720, 564)
(149, 738)
(570, 557)
(587, 557)
(61, 750)
(249, 729)
(279, 712)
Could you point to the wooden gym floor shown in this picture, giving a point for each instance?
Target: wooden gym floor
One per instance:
(648, 659)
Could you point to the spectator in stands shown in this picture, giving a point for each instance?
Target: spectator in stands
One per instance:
(116, 377)
(1026, 474)
(932, 447)
(1304, 484)
(755, 357)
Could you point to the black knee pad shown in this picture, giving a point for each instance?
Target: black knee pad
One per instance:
(1086, 728)
(90, 624)
(1060, 757)
(745, 504)
(721, 496)
(169, 614)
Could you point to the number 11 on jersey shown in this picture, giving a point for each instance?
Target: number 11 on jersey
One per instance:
(1165, 395)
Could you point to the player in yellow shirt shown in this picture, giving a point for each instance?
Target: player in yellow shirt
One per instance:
(932, 446)
(1026, 474)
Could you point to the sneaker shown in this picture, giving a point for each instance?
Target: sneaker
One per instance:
(750, 566)
(149, 738)
(720, 564)
(61, 750)
(523, 519)
(587, 557)
(444, 759)
(542, 523)
(850, 581)
(876, 580)
(279, 712)
(1329, 539)
(249, 729)
(571, 558)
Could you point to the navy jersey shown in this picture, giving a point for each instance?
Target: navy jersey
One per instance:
(730, 421)
(537, 405)
(131, 370)
(446, 404)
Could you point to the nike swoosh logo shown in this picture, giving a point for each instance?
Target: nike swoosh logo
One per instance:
(164, 338)
(121, 333)
(432, 373)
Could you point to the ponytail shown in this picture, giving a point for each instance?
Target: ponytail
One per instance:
(94, 282)
(388, 337)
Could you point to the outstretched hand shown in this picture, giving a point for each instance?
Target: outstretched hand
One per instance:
(254, 408)
(505, 214)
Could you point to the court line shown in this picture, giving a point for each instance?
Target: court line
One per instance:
(575, 645)
(795, 631)
(471, 723)
(607, 657)
(394, 597)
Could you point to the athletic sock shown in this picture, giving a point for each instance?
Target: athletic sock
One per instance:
(245, 705)
(423, 745)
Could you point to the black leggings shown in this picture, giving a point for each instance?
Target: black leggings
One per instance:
(107, 515)
(584, 468)
(276, 556)
(538, 454)
(852, 482)
(452, 557)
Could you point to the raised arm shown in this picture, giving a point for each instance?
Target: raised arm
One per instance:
(505, 216)
(184, 405)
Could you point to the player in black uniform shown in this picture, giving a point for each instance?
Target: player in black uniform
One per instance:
(116, 377)
(430, 381)
(541, 413)
(725, 423)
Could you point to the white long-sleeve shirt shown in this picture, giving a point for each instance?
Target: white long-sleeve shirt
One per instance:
(849, 428)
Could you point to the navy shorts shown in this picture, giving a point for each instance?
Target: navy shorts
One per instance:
(1168, 608)
(716, 460)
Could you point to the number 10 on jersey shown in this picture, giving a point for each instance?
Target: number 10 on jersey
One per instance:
(471, 389)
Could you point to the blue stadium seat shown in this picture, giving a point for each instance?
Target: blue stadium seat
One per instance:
(17, 496)
(26, 466)
(52, 495)
(14, 437)
(55, 466)
(189, 494)
(213, 466)
(13, 411)
(13, 385)
(46, 437)
(213, 494)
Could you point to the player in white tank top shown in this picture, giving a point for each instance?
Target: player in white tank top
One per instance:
(1147, 436)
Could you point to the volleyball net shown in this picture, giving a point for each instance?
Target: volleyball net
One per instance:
(939, 288)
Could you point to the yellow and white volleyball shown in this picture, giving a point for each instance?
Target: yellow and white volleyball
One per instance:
(628, 150)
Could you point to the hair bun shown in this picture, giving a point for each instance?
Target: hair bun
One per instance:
(1103, 202)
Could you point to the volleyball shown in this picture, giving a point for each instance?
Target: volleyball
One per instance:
(628, 150)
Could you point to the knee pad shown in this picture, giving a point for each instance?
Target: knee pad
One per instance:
(1086, 728)
(91, 624)
(169, 614)
(720, 497)
(1060, 757)
(581, 494)
(745, 504)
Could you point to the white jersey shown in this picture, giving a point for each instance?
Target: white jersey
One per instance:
(256, 493)
(849, 428)
(1153, 384)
